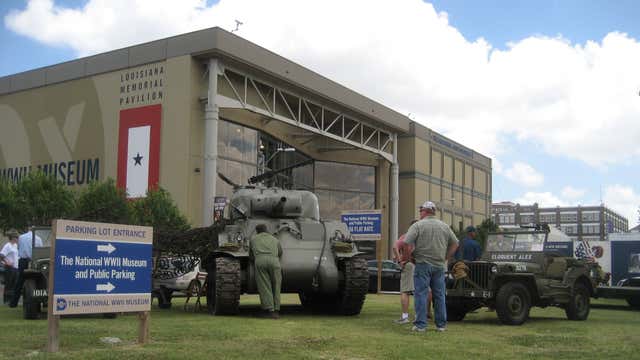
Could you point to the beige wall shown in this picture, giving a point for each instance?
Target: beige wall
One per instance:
(440, 175)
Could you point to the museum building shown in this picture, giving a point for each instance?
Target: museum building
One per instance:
(177, 111)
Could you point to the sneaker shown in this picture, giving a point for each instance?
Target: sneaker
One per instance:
(417, 329)
(439, 329)
(401, 321)
(275, 314)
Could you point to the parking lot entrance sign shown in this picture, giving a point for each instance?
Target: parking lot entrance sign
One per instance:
(99, 268)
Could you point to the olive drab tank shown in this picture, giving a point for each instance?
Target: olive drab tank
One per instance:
(319, 260)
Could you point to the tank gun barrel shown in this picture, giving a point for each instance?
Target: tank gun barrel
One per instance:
(269, 174)
(228, 181)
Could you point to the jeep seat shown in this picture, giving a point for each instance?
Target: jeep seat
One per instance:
(557, 267)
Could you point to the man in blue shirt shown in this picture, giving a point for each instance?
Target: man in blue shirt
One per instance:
(25, 242)
(469, 248)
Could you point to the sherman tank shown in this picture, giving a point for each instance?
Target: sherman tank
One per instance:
(320, 262)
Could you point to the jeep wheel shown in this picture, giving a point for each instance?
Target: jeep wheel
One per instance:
(634, 302)
(30, 306)
(456, 313)
(579, 303)
(513, 303)
(164, 298)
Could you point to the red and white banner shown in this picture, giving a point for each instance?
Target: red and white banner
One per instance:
(139, 149)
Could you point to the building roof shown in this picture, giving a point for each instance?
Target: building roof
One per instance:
(204, 44)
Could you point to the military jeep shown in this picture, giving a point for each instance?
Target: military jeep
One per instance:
(516, 273)
(36, 276)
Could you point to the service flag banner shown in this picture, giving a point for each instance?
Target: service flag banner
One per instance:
(139, 149)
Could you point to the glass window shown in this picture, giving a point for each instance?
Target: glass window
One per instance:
(343, 187)
(548, 218)
(568, 217)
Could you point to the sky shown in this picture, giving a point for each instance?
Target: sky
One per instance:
(550, 90)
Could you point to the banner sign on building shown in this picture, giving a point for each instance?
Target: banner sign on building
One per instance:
(139, 149)
(363, 224)
(101, 268)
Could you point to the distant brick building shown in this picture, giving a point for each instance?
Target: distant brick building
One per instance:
(591, 223)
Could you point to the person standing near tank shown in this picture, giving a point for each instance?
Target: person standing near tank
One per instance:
(9, 258)
(402, 253)
(265, 250)
(25, 250)
(469, 249)
(434, 243)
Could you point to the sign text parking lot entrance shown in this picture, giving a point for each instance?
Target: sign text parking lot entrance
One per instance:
(101, 268)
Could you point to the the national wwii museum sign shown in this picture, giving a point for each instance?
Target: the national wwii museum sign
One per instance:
(363, 224)
(101, 268)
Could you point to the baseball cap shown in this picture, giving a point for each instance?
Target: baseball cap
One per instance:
(470, 229)
(428, 205)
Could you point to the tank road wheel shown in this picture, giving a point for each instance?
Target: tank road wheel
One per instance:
(164, 298)
(353, 288)
(456, 313)
(223, 287)
(30, 306)
(513, 303)
(579, 303)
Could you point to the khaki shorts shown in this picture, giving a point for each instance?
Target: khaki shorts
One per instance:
(406, 278)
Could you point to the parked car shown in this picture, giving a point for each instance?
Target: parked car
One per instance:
(390, 275)
(174, 274)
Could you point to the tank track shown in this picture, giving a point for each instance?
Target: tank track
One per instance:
(223, 296)
(353, 289)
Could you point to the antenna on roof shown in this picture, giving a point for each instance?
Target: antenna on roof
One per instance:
(238, 23)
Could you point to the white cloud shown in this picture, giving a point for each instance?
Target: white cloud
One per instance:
(524, 174)
(569, 192)
(624, 200)
(575, 100)
(544, 199)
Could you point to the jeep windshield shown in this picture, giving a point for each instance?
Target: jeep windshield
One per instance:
(530, 241)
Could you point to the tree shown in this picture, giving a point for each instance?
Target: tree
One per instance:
(103, 202)
(40, 198)
(7, 204)
(157, 209)
(483, 229)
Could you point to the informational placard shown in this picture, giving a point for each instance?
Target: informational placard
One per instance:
(219, 203)
(101, 268)
(565, 248)
(363, 224)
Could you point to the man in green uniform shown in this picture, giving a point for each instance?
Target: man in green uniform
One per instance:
(266, 252)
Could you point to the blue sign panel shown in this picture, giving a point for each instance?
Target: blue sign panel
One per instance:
(102, 267)
(363, 224)
(625, 257)
(564, 248)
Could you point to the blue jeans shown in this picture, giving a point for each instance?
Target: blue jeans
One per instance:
(427, 276)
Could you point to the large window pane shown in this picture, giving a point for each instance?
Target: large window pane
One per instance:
(234, 142)
(250, 146)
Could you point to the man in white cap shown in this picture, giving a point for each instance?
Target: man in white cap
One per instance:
(434, 243)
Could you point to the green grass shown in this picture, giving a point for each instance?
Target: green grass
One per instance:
(611, 332)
